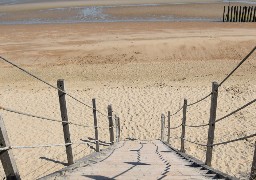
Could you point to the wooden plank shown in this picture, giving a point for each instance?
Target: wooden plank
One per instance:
(212, 119)
(97, 148)
(182, 146)
(111, 125)
(169, 126)
(253, 169)
(64, 116)
(6, 156)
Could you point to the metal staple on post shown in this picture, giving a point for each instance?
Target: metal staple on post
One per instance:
(111, 126)
(162, 127)
(253, 169)
(212, 123)
(97, 148)
(169, 126)
(6, 156)
(64, 116)
(182, 146)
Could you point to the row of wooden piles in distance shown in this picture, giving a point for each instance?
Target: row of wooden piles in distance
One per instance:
(239, 14)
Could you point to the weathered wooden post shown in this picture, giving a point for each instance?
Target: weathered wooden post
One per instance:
(162, 126)
(231, 14)
(64, 116)
(245, 13)
(212, 119)
(6, 156)
(253, 169)
(111, 126)
(237, 13)
(249, 14)
(95, 125)
(240, 14)
(117, 130)
(228, 14)
(223, 18)
(169, 126)
(182, 147)
(234, 14)
(254, 15)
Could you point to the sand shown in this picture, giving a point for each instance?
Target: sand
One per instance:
(143, 70)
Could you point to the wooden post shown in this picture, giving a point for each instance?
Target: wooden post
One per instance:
(231, 14)
(182, 147)
(213, 109)
(117, 130)
(228, 14)
(95, 125)
(250, 14)
(162, 126)
(253, 169)
(240, 14)
(111, 126)
(223, 18)
(237, 13)
(254, 15)
(64, 116)
(6, 156)
(245, 14)
(169, 126)
(234, 14)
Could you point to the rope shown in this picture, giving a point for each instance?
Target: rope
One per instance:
(177, 111)
(249, 103)
(191, 104)
(44, 118)
(225, 142)
(193, 126)
(50, 85)
(39, 146)
(193, 142)
(246, 57)
(239, 109)
(234, 140)
(175, 127)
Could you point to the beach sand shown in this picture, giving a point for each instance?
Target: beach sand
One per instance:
(143, 70)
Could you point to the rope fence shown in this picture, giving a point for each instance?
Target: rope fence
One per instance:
(9, 165)
(212, 121)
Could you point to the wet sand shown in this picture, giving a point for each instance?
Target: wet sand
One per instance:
(112, 11)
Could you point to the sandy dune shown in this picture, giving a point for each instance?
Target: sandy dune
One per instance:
(143, 70)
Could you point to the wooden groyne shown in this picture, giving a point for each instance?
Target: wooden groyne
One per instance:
(239, 14)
